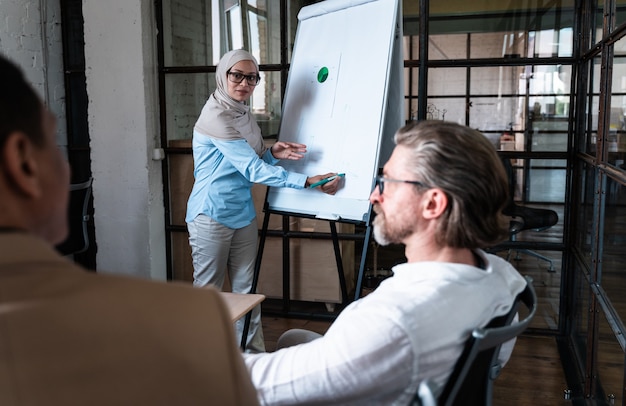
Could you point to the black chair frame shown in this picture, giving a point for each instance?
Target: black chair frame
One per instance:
(471, 381)
(526, 218)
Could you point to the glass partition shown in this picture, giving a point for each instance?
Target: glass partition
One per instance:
(198, 32)
(499, 44)
(499, 81)
(620, 13)
(614, 241)
(616, 148)
(410, 93)
(475, 77)
(610, 364)
(185, 95)
(447, 81)
(449, 109)
(593, 108)
(446, 47)
(580, 316)
(186, 39)
(583, 233)
(266, 103)
(493, 115)
(546, 180)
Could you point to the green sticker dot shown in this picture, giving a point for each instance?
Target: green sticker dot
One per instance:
(322, 75)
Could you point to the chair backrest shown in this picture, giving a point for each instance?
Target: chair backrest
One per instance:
(78, 238)
(523, 217)
(471, 381)
(510, 175)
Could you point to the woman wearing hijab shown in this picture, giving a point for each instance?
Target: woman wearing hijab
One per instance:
(229, 157)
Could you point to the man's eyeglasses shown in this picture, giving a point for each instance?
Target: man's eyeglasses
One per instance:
(380, 182)
(238, 77)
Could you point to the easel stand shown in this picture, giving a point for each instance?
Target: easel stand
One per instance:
(286, 235)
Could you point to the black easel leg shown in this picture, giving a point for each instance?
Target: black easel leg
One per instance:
(342, 276)
(359, 280)
(286, 266)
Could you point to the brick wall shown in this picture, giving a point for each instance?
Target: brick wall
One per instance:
(30, 35)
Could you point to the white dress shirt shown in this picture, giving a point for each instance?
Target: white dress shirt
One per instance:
(412, 327)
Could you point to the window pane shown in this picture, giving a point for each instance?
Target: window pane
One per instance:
(187, 38)
(198, 33)
(410, 47)
(447, 81)
(550, 43)
(614, 246)
(583, 232)
(498, 29)
(498, 45)
(541, 184)
(580, 327)
(549, 88)
(549, 134)
(449, 109)
(185, 95)
(411, 76)
(598, 10)
(547, 284)
(546, 180)
(610, 363)
(616, 147)
(264, 30)
(616, 140)
(497, 80)
(266, 103)
(592, 136)
(443, 47)
(494, 115)
(621, 13)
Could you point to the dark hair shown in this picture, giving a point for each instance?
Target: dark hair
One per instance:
(20, 106)
(465, 165)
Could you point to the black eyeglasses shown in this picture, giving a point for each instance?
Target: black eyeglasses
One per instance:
(380, 182)
(238, 77)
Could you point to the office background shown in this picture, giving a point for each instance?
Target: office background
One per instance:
(127, 80)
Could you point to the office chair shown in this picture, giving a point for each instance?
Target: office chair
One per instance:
(78, 238)
(471, 381)
(526, 218)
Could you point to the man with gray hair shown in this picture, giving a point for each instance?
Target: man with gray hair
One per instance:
(441, 195)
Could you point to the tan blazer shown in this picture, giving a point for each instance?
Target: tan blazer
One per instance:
(71, 337)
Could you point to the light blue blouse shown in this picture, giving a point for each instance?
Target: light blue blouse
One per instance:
(224, 172)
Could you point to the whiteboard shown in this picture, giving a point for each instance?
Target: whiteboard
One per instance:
(344, 100)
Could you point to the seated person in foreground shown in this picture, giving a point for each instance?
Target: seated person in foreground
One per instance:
(441, 195)
(71, 337)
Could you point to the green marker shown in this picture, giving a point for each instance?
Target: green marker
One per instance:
(325, 181)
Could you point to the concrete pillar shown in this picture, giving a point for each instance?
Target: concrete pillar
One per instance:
(121, 71)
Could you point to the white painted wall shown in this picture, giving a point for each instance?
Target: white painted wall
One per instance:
(121, 71)
(30, 36)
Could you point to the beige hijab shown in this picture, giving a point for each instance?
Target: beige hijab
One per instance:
(225, 118)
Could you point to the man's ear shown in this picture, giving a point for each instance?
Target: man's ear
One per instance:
(19, 163)
(435, 202)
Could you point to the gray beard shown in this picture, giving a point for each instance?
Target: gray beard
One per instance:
(384, 235)
(379, 231)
